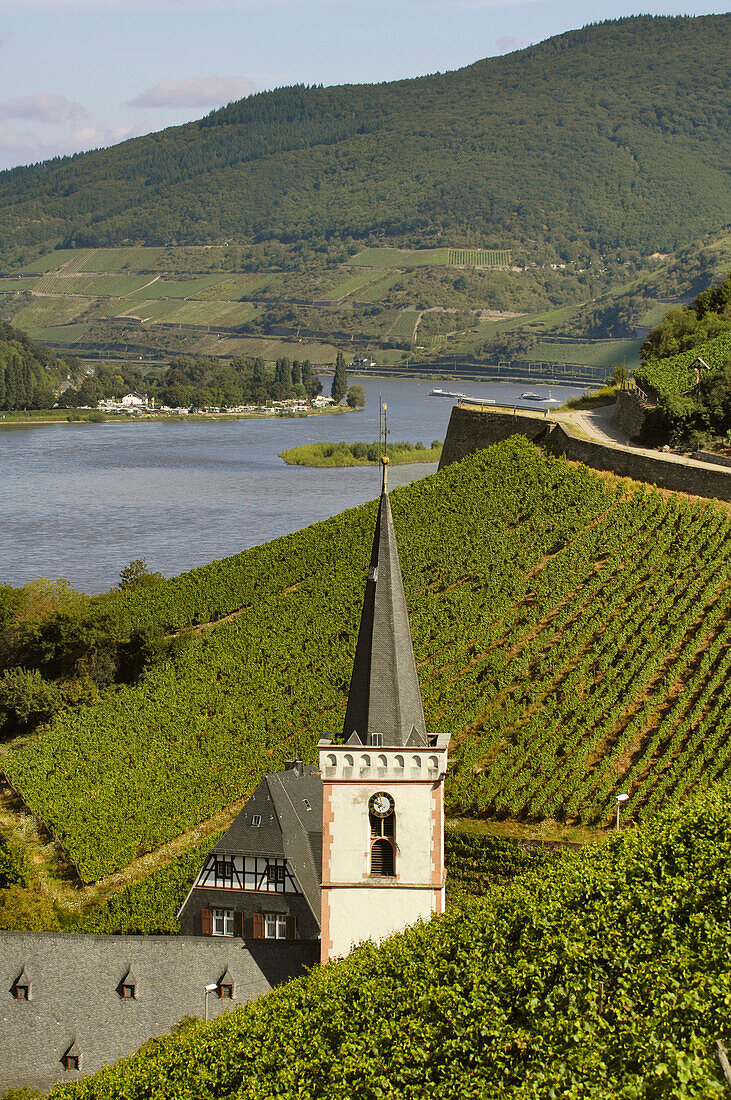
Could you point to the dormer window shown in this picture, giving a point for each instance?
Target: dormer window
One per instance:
(225, 986)
(127, 988)
(377, 740)
(72, 1058)
(306, 803)
(21, 987)
(256, 820)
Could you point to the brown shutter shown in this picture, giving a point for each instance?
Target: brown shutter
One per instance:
(206, 922)
(291, 927)
(258, 926)
(238, 923)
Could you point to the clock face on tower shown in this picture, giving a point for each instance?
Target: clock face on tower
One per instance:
(381, 804)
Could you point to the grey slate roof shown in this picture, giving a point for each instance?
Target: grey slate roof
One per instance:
(288, 829)
(384, 696)
(75, 1004)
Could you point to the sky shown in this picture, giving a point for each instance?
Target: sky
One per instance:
(79, 74)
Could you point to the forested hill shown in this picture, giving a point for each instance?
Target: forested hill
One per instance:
(29, 374)
(608, 137)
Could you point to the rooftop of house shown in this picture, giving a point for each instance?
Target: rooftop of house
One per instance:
(283, 819)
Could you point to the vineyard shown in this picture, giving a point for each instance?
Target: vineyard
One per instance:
(478, 257)
(605, 976)
(674, 375)
(571, 631)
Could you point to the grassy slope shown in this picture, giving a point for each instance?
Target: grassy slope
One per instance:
(500, 997)
(572, 634)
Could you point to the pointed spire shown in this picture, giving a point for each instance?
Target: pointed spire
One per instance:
(384, 697)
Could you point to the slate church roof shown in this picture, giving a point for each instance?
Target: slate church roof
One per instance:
(384, 696)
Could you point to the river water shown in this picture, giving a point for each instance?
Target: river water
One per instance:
(80, 501)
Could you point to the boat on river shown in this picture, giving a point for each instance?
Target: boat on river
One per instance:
(530, 396)
(446, 393)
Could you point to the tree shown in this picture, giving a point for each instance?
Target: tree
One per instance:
(310, 381)
(356, 396)
(137, 575)
(340, 379)
(26, 699)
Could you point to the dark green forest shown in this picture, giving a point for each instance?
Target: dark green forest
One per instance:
(29, 373)
(609, 138)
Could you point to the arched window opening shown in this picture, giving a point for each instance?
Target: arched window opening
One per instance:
(383, 854)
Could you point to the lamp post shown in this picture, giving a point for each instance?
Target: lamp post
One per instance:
(620, 799)
(209, 989)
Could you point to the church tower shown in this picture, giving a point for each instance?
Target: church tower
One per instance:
(383, 777)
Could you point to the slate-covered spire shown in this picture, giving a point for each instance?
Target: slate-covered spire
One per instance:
(384, 695)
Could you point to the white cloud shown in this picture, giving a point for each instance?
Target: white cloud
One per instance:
(196, 91)
(42, 107)
(508, 43)
(26, 146)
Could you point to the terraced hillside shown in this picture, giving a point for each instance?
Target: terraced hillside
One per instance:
(400, 306)
(572, 631)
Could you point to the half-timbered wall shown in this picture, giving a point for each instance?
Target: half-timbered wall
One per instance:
(237, 872)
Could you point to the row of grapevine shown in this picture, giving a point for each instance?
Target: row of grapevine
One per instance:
(555, 617)
(478, 257)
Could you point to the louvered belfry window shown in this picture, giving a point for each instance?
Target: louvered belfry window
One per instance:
(383, 860)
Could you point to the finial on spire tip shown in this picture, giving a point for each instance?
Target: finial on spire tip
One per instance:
(384, 463)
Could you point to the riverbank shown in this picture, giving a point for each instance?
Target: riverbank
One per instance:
(44, 417)
(360, 454)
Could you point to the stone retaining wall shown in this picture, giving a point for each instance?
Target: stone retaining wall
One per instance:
(631, 413)
(471, 431)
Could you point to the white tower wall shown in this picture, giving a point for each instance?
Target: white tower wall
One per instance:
(357, 905)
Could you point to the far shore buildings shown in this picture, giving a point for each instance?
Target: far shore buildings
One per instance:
(319, 859)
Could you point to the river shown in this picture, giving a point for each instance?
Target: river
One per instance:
(80, 501)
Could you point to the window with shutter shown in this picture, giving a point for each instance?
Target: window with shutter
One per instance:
(223, 922)
(291, 927)
(258, 926)
(382, 862)
(206, 922)
(238, 924)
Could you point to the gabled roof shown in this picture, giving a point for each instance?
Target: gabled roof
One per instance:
(264, 839)
(288, 829)
(384, 696)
